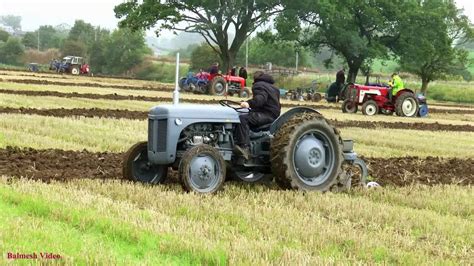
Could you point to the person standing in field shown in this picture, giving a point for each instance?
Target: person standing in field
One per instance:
(243, 74)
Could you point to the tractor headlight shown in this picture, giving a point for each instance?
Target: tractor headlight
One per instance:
(178, 121)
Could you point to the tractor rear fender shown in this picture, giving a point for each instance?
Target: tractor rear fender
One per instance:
(280, 121)
(403, 91)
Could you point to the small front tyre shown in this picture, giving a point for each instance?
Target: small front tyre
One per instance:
(202, 169)
(349, 106)
(370, 107)
(244, 93)
(136, 166)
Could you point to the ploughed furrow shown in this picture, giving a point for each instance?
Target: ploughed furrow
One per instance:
(186, 100)
(129, 97)
(88, 84)
(140, 115)
(53, 164)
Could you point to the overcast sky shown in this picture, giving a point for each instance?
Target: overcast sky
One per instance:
(97, 12)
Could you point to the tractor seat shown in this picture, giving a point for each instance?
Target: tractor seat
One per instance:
(265, 127)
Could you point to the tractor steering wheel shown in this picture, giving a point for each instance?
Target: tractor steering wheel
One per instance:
(229, 103)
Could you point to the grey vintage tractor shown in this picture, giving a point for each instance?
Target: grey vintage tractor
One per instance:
(300, 150)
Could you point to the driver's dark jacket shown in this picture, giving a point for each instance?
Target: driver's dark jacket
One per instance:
(266, 97)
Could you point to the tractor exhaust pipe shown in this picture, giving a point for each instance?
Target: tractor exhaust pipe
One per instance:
(176, 88)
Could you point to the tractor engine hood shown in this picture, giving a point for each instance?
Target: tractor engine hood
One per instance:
(203, 113)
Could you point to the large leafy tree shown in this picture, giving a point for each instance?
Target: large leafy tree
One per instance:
(357, 30)
(429, 33)
(11, 51)
(4, 36)
(11, 21)
(48, 38)
(213, 19)
(124, 50)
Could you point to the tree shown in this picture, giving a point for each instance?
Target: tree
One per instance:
(83, 32)
(11, 51)
(357, 30)
(11, 21)
(75, 48)
(124, 50)
(203, 56)
(4, 36)
(428, 35)
(267, 47)
(30, 40)
(210, 18)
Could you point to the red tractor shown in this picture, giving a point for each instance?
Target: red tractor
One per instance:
(214, 84)
(374, 100)
(74, 65)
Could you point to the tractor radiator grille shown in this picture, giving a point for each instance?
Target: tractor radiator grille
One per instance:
(162, 134)
(157, 132)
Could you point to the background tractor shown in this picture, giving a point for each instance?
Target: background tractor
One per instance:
(214, 84)
(373, 100)
(70, 64)
(305, 93)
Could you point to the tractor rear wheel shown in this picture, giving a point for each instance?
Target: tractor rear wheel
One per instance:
(370, 107)
(244, 93)
(75, 71)
(306, 154)
(406, 105)
(136, 166)
(349, 106)
(183, 85)
(217, 86)
(202, 169)
(317, 97)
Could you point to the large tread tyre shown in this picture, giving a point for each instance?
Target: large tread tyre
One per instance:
(217, 86)
(307, 134)
(137, 168)
(182, 85)
(370, 107)
(349, 106)
(202, 169)
(244, 93)
(406, 105)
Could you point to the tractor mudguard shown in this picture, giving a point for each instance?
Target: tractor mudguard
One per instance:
(282, 119)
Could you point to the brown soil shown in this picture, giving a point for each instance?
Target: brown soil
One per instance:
(62, 165)
(169, 99)
(139, 115)
(128, 97)
(93, 112)
(429, 171)
(87, 84)
(401, 125)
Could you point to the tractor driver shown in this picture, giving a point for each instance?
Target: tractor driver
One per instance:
(265, 108)
(396, 85)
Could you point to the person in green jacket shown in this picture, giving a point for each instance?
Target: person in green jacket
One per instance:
(396, 85)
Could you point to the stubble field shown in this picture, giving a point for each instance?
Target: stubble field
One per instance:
(61, 144)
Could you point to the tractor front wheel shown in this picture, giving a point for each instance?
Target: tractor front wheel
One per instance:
(217, 86)
(370, 107)
(406, 105)
(244, 93)
(202, 169)
(349, 106)
(136, 166)
(306, 154)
